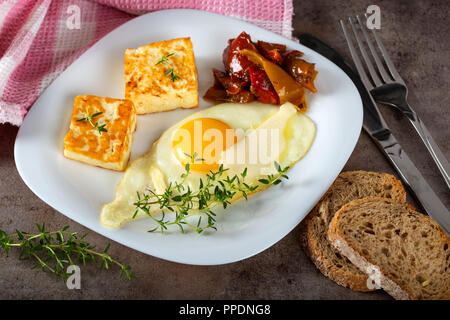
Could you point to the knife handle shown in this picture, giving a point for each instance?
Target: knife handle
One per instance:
(376, 127)
(433, 148)
(413, 178)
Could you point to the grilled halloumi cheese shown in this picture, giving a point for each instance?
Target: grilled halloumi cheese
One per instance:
(101, 132)
(161, 76)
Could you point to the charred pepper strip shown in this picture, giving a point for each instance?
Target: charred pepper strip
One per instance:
(285, 86)
(272, 51)
(231, 86)
(219, 94)
(261, 86)
(236, 63)
(303, 72)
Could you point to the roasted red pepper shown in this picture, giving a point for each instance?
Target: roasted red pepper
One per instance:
(235, 63)
(219, 94)
(272, 51)
(261, 85)
(263, 71)
(226, 50)
(231, 87)
(292, 52)
(284, 85)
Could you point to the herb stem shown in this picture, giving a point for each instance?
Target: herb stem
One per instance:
(58, 246)
(218, 189)
(89, 118)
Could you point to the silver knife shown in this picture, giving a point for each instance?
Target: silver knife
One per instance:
(376, 127)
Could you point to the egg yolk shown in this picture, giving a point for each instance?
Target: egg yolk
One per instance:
(201, 142)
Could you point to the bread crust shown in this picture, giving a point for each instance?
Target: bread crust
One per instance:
(357, 282)
(310, 241)
(363, 261)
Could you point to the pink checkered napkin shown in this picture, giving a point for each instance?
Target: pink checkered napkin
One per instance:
(36, 45)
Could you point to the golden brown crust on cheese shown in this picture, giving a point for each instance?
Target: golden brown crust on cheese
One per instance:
(110, 149)
(149, 84)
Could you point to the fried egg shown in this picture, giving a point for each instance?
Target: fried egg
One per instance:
(237, 136)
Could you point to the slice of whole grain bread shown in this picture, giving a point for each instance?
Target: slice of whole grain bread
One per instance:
(348, 186)
(406, 252)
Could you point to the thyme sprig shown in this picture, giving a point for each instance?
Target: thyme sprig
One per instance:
(169, 72)
(165, 58)
(89, 118)
(216, 189)
(173, 76)
(54, 251)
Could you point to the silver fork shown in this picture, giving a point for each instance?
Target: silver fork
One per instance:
(388, 87)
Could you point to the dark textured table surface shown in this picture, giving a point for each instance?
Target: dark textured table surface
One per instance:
(416, 34)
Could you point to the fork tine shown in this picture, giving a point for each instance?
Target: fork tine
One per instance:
(387, 59)
(372, 72)
(356, 60)
(375, 56)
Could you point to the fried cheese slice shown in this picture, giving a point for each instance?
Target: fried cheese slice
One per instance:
(101, 132)
(161, 76)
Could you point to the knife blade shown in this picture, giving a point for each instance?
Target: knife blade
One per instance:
(375, 125)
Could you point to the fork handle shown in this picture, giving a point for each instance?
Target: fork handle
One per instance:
(436, 153)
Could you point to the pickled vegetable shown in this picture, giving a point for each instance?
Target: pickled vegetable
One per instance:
(272, 51)
(235, 63)
(303, 72)
(261, 86)
(262, 71)
(285, 86)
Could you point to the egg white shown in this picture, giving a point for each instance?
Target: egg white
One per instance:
(159, 167)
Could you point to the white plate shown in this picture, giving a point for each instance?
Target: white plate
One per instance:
(245, 228)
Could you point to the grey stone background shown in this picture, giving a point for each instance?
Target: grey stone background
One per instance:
(416, 34)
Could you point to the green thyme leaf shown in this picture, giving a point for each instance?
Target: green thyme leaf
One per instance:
(89, 118)
(165, 59)
(215, 189)
(54, 251)
(172, 74)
